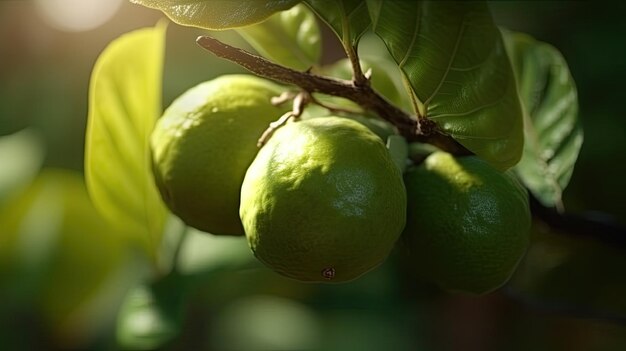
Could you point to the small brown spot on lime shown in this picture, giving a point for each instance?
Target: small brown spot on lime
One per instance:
(328, 273)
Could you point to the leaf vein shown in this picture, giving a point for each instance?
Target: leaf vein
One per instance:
(452, 58)
(469, 112)
(413, 38)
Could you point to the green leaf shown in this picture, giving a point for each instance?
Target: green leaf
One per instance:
(553, 134)
(291, 38)
(124, 104)
(453, 57)
(218, 14)
(347, 18)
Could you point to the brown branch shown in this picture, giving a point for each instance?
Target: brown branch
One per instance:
(363, 95)
(599, 226)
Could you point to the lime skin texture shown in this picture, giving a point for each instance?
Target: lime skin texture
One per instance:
(467, 223)
(323, 201)
(203, 145)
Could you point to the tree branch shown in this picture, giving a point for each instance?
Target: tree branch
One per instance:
(599, 226)
(361, 94)
(426, 131)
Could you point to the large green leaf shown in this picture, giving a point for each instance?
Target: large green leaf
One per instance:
(124, 103)
(347, 18)
(291, 38)
(553, 134)
(454, 59)
(218, 14)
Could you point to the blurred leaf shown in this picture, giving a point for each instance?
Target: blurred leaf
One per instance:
(216, 268)
(266, 323)
(50, 233)
(21, 156)
(378, 289)
(566, 274)
(553, 134)
(218, 14)
(366, 330)
(151, 316)
(223, 268)
(453, 57)
(204, 254)
(291, 38)
(124, 103)
(347, 18)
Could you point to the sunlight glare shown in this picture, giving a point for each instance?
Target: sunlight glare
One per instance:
(77, 15)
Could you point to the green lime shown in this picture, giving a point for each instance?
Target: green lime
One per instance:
(323, 201)
(203, 145)
(467, 223)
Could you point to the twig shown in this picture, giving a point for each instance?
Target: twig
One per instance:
(299, 102)
(358, 78)
(599, 227)
(363, 94)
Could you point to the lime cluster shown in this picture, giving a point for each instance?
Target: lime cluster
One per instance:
(323, 199)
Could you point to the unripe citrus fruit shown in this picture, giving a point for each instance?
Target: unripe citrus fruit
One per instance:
(467, 223)
(203, 145)
(323, 201)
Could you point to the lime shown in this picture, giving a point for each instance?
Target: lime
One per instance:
(323, 201)
(203, 145)
(467, 223)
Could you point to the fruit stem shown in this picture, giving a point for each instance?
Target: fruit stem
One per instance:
(300, 100)
(179, 247)
(362, 94)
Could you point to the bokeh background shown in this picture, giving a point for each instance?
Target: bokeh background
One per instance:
(73, 283)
